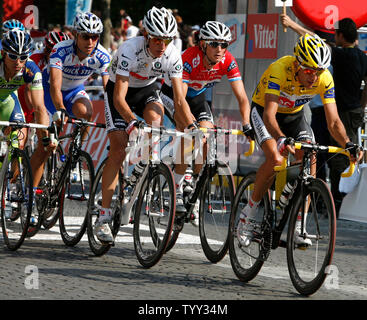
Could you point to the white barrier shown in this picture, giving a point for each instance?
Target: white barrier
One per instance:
(354, 206)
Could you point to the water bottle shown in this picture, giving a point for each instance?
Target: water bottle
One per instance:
(75, 174)
(286, 194)
(138, 170)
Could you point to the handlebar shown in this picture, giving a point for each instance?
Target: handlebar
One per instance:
(319, 148)
(20, 125)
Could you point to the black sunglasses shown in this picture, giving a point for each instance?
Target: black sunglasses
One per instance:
(216, 44)
(86, 36)
(15, 57)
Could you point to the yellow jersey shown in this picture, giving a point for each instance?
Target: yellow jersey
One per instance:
(280, 79)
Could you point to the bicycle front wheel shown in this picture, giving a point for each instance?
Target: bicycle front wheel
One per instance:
(16, 199)
(308, 267)
(247, 261)
(74, 199)
(154, 215)
(215, 209)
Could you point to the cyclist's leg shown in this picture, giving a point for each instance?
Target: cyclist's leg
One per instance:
(264, 178)
(39, 157)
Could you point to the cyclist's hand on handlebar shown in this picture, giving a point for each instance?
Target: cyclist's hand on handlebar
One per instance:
(248, 131)
(60, 117)
(355, 151)
(285, 146)
(132, 129)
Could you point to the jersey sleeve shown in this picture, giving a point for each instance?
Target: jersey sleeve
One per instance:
(187, 65)
(327, 89)
(232, 70)
(275, 77)
(57, 56)
(32, 75)
(105, 59)
(175, 68)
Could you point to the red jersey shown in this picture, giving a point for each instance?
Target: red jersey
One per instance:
(199, 78)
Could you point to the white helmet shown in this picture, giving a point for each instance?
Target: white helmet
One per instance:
(88, 22)
(160, 23)
(215, 30)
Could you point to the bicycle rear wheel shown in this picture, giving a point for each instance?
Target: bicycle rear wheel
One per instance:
(74, 199)
(154, 215)
(308, 267)
(95, 202)
(16, 199)
(215, 208)
(247, 261)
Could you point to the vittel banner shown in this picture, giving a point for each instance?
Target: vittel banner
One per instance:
(262, 36)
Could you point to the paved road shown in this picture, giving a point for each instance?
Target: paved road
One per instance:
(44, 268)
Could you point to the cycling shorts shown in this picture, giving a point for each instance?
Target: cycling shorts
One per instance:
(199, 107)
(292, 125)
(136, 98)
(10, 109)
(69, 97)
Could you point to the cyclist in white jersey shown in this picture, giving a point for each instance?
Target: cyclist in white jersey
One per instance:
(133, 89)
(71, 64)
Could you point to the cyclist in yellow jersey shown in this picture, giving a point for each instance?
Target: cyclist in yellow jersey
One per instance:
(277, 113)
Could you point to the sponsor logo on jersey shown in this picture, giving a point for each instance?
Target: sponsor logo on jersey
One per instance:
(329, 94)
(232, 66)
(273, 86)
(187, 67)
(196, 61)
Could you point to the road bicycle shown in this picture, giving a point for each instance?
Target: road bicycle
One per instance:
(63, 192)
(149, 203)
(213, 195)
(310, 203)
(16, 185)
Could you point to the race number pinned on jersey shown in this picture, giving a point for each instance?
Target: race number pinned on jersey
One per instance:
(281, 3)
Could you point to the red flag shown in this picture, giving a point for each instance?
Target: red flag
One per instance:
(15, 9)
(322, 14)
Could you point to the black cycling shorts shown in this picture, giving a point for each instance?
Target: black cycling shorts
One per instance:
(292, 125)
(136, 98)
(199, 107)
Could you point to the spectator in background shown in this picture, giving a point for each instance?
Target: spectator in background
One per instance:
(131, 31)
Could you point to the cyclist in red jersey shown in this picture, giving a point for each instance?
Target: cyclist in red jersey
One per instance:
(203, 66)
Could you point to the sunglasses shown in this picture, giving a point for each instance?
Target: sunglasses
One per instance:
(15, 57)
(310, 71)
(158, 41)
(86, 36)
(216, 44)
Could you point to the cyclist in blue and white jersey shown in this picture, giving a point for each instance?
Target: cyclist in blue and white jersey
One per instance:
(71, 64)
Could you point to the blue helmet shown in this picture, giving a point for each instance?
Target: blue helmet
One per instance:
(17, 42)
(12, 24)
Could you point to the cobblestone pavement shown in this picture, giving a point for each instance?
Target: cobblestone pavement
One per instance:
(47, 269)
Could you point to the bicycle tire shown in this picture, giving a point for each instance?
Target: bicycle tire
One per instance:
(73, 195)
(246, 264)
(215, 208)
(321, 230)
(15, 226)
(49, 215)
(95, 201)
(149, 249)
